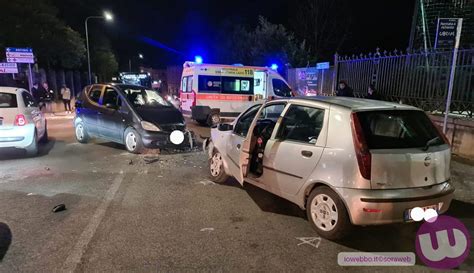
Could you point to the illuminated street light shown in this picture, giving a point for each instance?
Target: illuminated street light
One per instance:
(108, 17)
(140, 56)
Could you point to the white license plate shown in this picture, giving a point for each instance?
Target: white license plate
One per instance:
(408, 212)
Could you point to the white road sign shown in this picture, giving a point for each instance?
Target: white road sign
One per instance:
(8, 68)
(19, 55)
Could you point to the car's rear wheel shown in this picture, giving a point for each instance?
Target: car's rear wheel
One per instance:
(32, 149)
(327, 214)
(133, 141)
(81, 133)
(216, 168)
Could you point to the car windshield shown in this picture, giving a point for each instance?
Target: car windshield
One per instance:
(397, 129)
(143, 97)
(8, 100)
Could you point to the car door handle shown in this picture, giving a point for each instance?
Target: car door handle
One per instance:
(307, 153)
(238, 146)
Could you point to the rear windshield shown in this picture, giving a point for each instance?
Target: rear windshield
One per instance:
(398, 129)
(8, 100)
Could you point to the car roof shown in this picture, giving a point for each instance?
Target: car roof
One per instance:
(10, 90)
(356, 104)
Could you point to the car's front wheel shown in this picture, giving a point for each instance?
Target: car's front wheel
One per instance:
(133, 141)
(327, 214)
(81, 133)
(216, 168)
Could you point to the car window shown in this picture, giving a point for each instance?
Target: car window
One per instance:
(243, 124)
(28, 100)
(95, 93)
(272, 112)
(397, 129)
(8, 100)
(111, 97)
(139, 97)
(280, 88)
(302, 124)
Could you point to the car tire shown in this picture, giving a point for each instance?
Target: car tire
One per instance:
(32, 149)
(327, 214)
(216, 168)
(213, 119)
(81, 133)
(133, 141)
(44, 139)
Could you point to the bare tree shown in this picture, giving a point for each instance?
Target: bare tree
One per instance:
(323, 24)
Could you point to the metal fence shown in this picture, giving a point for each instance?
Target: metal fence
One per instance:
(309, 80)
(418, 78)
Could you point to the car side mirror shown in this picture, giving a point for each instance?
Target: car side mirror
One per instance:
(225, 127)
(111, 106)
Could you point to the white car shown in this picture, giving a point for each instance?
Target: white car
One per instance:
(345, 161)
(22, 124)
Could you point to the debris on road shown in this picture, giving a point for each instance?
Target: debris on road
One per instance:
(47, 168)
(206, 182)
(207, 229)
(150, 160)
(59, 208)
(130, 162)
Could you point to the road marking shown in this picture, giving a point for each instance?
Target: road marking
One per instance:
(309, 241)
(76, 253)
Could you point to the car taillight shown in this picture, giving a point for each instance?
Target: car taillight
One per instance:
(364, 158)
(20, 120)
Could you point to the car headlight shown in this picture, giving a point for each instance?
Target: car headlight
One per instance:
(148, 126)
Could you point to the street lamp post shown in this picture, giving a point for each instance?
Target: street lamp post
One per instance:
(140, 56)
(108, 17)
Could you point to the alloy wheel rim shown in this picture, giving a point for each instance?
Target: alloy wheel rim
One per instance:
(324, 212)
(131, 141)
(216, 163)
(79, 132)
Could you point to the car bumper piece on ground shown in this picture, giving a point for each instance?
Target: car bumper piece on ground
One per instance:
(375, 207)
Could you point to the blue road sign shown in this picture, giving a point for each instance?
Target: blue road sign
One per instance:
(16, 49)
(324, 65)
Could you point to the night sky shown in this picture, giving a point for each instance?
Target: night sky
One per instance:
(169, 32)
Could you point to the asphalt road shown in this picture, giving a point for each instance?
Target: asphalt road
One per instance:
(159, 212)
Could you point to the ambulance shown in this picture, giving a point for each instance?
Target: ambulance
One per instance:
(210, 92)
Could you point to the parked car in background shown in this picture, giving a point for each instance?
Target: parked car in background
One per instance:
(345, 161)
(22, 124)
(131, 115)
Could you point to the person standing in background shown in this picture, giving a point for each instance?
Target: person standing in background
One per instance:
(48, 97)
(66, 96)
(372, 94)
(344, 90)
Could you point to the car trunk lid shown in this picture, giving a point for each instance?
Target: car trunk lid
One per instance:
(406, 149)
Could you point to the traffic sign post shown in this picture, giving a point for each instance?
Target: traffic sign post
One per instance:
(453, 70)
(7, 68)
(23, 56)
